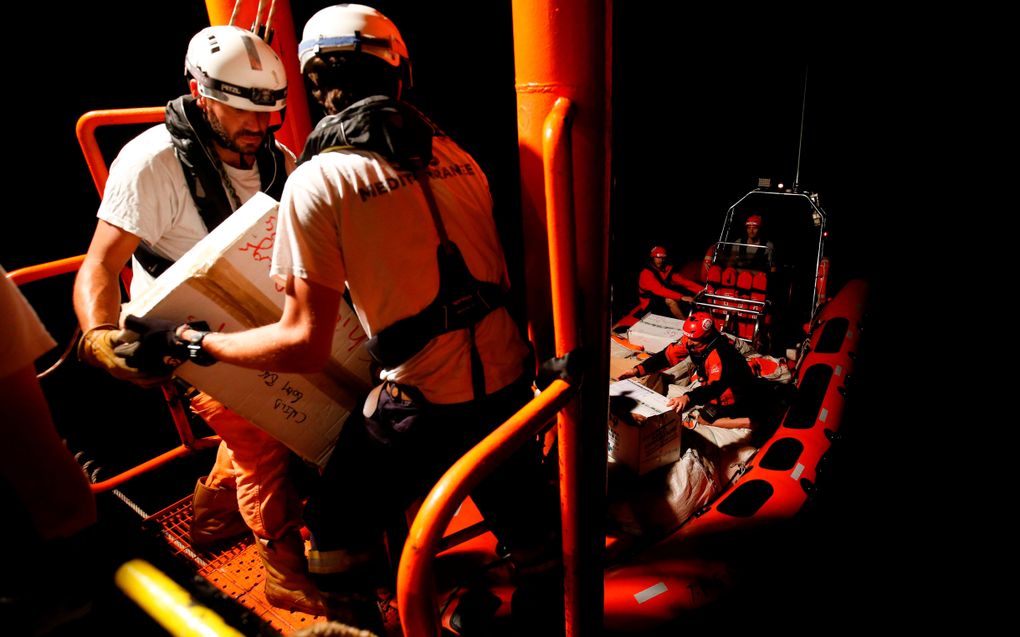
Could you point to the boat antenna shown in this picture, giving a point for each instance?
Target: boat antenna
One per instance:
(800, 140)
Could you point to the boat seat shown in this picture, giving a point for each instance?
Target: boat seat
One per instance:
(714, 278)
(729, 278)
(744, 280)
(759, 285)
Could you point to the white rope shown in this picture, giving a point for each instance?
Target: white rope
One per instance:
(258, 17)
(269, 18)
(233, 16)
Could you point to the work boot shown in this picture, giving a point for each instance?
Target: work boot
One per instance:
(214, 515)
(287, 582)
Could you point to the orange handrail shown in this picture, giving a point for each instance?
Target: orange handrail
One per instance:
(86, 132)
(189, 444)
(559, 190)
(154, 463)
(559, 206)
(31, 273)
(416, 587)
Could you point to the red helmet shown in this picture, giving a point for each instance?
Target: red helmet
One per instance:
(753, 220)
(699, 326)
(658, 251)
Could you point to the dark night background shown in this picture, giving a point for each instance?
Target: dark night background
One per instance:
(695, 125)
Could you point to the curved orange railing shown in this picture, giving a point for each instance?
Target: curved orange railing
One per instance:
(86, 132)
(31, 273)
(416, 591)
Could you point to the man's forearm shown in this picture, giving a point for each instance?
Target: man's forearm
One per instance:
(96, 294)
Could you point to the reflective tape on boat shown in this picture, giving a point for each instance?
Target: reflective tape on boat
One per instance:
(652, 591)
(823, 414)
(799, 469)
(838, 371)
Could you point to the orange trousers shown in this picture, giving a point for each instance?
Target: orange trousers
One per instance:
(254, 463)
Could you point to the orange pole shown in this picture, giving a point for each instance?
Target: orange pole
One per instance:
(154, 463)
(297, 123)
(416, 586)
(561, 50)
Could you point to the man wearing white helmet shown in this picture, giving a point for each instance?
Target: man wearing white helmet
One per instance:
(167, 188)
(386, 205)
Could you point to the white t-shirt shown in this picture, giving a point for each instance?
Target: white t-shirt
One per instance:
(148, 196)
(25, 338)
(351, 217)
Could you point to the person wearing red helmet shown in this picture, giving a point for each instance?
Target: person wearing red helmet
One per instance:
(752, 251)
(727, 382)
(661, 290)
(723, 371)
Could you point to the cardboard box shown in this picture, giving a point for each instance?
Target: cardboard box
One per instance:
(224, 280)
(644, 433)
(621, 357)
(654, 332)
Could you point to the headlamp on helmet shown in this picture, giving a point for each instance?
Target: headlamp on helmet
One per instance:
(236, 67)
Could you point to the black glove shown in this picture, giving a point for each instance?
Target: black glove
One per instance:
(157, 349)
(569, 367)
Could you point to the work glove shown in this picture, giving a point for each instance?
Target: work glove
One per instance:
(97, 348)
(152, 345)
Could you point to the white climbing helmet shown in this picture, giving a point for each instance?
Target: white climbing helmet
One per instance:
(353, 27)
(236, 67)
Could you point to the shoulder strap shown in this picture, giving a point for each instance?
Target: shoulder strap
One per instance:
(461, 302)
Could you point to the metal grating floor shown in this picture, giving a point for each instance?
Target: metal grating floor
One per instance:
(233, 567)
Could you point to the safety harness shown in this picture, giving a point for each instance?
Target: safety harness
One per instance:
(207, 182)
(403, 135)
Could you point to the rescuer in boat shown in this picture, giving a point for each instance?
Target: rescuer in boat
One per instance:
(661, 290)
(166, 189)
(726, 392)
(393, 208)
(721, 410)
(754, 252)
